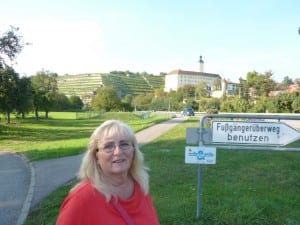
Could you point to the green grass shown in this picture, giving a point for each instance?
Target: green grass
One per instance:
(61, 134)
(242, 188)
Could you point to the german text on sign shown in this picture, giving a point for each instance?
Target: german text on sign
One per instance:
(257, 133)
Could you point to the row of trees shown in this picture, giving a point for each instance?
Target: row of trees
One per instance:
(37, 93)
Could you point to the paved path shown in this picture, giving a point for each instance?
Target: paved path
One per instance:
(14, 185)
(24, 185)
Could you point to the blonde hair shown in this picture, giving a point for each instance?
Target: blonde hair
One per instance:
(91, 170)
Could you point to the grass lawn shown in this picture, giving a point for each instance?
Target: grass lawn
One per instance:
(61, 134)
(242, 188)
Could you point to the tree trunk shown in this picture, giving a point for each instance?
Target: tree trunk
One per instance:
(8, 118)
(36, 113)
(46, 114)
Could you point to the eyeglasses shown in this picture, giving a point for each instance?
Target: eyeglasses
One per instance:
(109, 147)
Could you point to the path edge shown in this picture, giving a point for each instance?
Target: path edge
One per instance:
(29, 196)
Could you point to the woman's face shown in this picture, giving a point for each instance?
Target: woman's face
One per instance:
(115, 155)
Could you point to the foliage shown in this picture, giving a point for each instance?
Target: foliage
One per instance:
(106, 100)
(296, 104)
(261, 105)
(143, 101)
(11, 44)
(44, 87)
(25, 96)
(283, 102)
(75, 102)
(262, 83)
(201, 89)
(217, 84)
(286, 82)
(9, 84)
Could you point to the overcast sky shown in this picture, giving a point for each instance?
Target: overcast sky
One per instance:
(234, 37)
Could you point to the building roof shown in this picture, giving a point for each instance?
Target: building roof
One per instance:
(184, 72)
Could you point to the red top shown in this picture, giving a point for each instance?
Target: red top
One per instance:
(87, 206)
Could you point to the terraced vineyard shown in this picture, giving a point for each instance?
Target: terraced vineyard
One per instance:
(85, 85)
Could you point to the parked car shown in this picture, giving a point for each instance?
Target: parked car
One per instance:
(188, 112)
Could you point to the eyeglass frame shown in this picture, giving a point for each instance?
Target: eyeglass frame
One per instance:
(110, 147)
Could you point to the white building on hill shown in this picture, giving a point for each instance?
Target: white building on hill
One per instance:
(178, 78)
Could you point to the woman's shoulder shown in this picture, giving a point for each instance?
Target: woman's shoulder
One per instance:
(85, 192)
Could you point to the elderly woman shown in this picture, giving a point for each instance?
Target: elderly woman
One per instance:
(113, 187)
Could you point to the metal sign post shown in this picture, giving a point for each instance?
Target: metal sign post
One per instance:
(254, 133)
(199, 191)
(200, 155)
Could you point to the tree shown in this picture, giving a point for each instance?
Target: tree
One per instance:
(262, 83)
(143, 101)
(9, 81)
(11, 44)
(44, 86)
(24, 96)
(243, 89)
(283, 102)
(261, 105)
(201, 89)
(106, 100)
(296, 104)
(61, 103)
(287, 82)
(217, 84)
(76, 103)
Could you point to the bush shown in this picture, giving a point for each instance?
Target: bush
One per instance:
(212, 111)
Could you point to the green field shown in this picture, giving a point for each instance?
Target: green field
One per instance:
(243, 187)
(61, 134)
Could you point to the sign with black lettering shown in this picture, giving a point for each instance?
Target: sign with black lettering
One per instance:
(255, 133)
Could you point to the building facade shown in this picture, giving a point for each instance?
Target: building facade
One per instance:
(178, 78)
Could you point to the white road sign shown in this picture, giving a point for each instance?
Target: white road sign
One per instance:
(200, 155)
(256, 133)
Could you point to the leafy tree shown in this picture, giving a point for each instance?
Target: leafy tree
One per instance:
(201, 89)
(202, 107)
(11, 44)
(187, 91)
(296, 104)
(226, 104)
(128, 99)
(143, 101)
(213, 103)
(9, 81)
(262, 83)
(283, 103)
(261, 105)
(61, 103)
(217, 84)
(106, 100)
(44, 85)
(24, 96)
(243, 89)
(287, 82)
(75, 103)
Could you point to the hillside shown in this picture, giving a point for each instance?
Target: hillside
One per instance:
(84, 85)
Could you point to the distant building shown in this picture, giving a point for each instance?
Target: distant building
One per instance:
(227, 87)
(178, 78)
